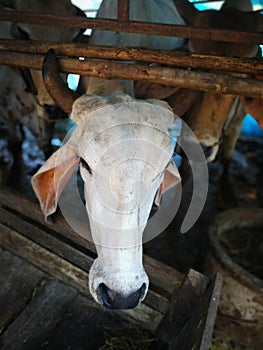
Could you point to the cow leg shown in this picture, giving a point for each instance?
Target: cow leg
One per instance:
(231, 134)
(15, 136)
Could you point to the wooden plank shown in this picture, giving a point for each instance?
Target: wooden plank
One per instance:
(29, 208)
(163, 276)
(68, 273)
(212, 310)
(82, 326)
(18, 281)
(55, 316)
(174, 58)
(44, 259)
(189, 321)
(47, 239)
(157, 300)
(205, 81)
(32, 326)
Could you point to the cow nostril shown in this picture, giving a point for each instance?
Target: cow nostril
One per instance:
(207, 150)
(142, 291)
(106, 294)
(114, 300)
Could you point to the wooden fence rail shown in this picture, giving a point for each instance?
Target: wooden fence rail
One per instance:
(174, 58)
(205, 81)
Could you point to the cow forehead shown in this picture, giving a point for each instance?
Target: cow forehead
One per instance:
(121, 125)
(92, 112)
(121, 130)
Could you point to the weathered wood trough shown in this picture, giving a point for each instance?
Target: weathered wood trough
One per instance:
(44, 296)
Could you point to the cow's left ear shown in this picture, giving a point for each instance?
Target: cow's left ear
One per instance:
(170, 179)
(52, 177)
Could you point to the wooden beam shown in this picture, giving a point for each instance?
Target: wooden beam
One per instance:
(138, 27)
(67, 272)
(44, 259)
(18, 280)
(214, 82)
(175, 58)
(199, 314)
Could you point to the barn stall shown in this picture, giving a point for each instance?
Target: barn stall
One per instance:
(59, 255)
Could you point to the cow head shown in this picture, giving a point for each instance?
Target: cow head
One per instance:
(211, 113)
(46, 106)
(208, 118)
(124, 150)
(233, 16)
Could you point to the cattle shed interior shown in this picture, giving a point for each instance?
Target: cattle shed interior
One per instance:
(206, 285)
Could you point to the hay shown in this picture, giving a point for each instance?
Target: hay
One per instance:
(129, 337)
(223, 341)
(244, 246)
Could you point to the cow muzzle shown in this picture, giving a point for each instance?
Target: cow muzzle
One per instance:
(113, 300)
(117, 287)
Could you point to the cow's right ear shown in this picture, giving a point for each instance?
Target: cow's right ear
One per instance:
(51, 178)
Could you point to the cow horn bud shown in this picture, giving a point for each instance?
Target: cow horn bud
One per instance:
(55, 85)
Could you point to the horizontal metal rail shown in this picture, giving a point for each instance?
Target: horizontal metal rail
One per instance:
(122, 25)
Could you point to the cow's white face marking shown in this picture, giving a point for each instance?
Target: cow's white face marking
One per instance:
(124, 148)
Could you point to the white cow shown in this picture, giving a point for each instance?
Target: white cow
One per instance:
(17, 106)
(46, 108)
(125, 150)
(158, 11)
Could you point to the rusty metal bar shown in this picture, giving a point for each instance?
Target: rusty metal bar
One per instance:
(123, 10)
(135, 27)
(175, 58)
(219, 83)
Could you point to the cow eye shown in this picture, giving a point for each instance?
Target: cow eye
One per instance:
(86, 165)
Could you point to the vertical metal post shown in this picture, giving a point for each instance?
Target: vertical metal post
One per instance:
(123, 10)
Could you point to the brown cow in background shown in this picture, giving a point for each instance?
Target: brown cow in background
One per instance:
(47, 110)
(216, 119)
(211, 114)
